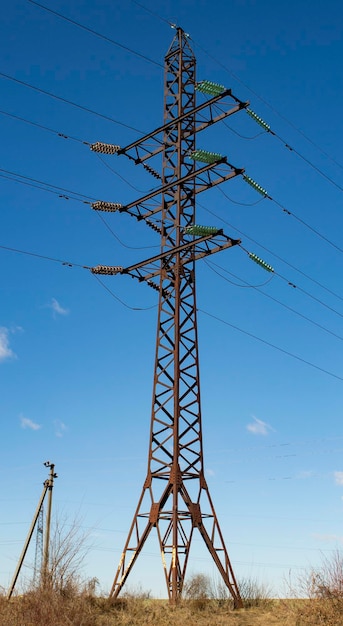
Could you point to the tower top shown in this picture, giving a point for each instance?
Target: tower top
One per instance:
(180, 42)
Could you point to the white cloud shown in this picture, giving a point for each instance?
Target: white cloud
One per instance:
(210, 472)
(60, 428)
(327, 537)
(258, 427)
(305, 474)
(338, 478)
(27, 423)
(57, 308)
(5, 350)
(17, 329)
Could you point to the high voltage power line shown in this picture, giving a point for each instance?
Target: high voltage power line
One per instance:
(100, 35)
(43, 127)
(66, 101)
(15, 177)
(292, 149)
(265, 195)
(253, 91)
(268, 343)
(22, 179)
(64, 136)
(43, 257)
(267, 295)
(313, 445)
(281, 206)
(44, 186)
(268, 130)
(127, 306)
(135, 308)
(55, 189)
(270, 106)
(30, 181)
(274, 254)
(61, 192)
(221, 64)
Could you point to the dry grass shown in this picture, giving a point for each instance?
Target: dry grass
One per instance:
(53, 609)
(66, 601)
(313, 612)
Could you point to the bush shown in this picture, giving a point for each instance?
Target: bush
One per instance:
(253, 593)
(50, 608)
(198, 587)
(323, 586)
(198, 590)
(327, 582)
(201, 590)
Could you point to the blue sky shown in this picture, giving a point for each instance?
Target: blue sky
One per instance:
(76, 363)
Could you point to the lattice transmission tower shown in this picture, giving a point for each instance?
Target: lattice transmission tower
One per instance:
(38, 563)
(175, 498)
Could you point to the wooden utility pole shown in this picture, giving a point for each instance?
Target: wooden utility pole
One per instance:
(48, 485)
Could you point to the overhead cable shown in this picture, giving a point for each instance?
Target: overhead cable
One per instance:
(313, 280)
(139, 4)
(127, 306)
(44, 257)
(66, 101)
(26, 180)
(94, 32)
(150, 60)
(271, 345)
(22, 179)
(65, 136)
(211, 265)
(270, 106)
(268, 130)
(263, 192)
(51, 130)
(69, 264)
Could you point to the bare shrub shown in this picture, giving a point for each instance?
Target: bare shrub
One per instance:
(253, 593)
(327, 582)
(198, 590)
(136, 593)
(46, 607)
(323, 587)
(198, 587)
(220, 593)
(204, 591)
(68, 549)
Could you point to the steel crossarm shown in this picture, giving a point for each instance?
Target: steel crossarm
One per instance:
(147, 271)
(152, 144)
(151, 268)
(204, 178)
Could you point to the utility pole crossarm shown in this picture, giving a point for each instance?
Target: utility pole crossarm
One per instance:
(204, 178)
(151, 268)
(152, 143)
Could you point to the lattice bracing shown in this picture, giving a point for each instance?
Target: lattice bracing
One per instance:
(175, 499)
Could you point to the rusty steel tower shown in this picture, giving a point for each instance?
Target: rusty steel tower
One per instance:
(175, 498)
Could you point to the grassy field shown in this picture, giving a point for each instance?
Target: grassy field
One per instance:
(63, 598)
(53, 609)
